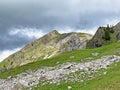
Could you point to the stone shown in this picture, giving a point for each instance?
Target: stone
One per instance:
(95, 54)
(69, 87)
(18, 87)
(72, 57)
(81, 81)
(57, 62)
(104, 73)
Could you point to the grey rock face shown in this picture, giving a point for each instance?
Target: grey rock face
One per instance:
(72, 42)
(57, 73)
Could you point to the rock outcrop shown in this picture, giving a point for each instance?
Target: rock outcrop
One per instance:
(73, 42)
(105, 35)
(47, 46)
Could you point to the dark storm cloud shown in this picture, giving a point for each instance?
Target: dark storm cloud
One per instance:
(49, 14)
(9, 42)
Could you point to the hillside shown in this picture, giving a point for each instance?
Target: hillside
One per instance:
(72, 67)
(69, 62)
(104, 36)
(45, 47)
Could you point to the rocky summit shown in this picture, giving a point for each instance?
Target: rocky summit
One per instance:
(47, 46)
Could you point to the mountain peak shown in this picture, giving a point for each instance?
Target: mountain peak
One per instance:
(54, 32)
(50, 36)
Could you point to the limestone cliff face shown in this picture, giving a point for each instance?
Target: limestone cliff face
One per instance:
(47, 46)
(105, 35)
(73, 42)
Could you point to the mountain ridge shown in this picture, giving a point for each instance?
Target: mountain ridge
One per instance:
(47, 46)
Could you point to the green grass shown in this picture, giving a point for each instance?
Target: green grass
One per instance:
(110, 81)
(65, 57)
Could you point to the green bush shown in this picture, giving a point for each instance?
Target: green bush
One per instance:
(107, 33)
(111, 30)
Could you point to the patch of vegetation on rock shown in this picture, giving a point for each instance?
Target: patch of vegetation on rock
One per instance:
(104, 36)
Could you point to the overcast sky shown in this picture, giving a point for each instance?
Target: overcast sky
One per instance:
(22, 21)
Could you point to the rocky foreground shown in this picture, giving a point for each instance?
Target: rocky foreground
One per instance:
(66, 72)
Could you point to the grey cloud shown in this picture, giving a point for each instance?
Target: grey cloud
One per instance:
(98, 18)
(11, 42)
(48, 14)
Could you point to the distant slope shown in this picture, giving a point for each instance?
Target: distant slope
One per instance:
(47, 46)
(105, 35)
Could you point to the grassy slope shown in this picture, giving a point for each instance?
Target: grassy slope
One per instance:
(65, 57)
(110, 81)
